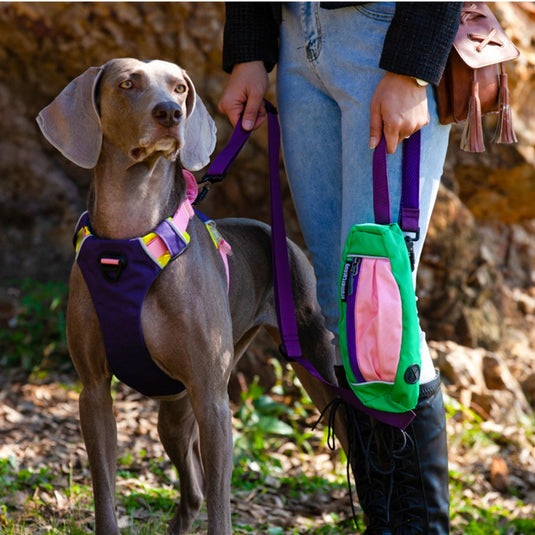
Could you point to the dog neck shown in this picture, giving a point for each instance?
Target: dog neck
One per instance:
(130, 201)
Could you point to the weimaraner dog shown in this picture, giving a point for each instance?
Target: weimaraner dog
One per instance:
(138, 125)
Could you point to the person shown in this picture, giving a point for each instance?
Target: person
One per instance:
(348, 74)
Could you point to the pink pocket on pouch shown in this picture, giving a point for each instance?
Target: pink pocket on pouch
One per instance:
(377, 320)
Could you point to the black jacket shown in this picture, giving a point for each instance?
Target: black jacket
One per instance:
(417, 43)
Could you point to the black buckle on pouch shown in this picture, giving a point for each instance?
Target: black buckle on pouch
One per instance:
(409, 241)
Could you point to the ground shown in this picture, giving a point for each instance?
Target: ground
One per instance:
(44, 475)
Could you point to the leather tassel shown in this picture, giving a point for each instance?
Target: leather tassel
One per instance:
(472, 138)
(505, 132)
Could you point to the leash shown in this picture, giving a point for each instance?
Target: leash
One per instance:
(283, 295)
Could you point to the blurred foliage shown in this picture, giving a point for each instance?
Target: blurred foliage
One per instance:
(34, 337)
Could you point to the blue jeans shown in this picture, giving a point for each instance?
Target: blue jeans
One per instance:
(327, 73)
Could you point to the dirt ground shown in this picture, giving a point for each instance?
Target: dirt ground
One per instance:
(40, 429)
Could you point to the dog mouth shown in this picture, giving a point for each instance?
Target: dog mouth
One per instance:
(166, 145)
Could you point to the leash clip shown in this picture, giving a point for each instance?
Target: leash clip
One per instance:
(208, 181)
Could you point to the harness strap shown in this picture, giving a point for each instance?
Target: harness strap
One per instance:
(221, 244)
(162, 244)
(224, 248)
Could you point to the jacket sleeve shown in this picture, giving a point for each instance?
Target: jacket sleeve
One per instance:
(251, 33)
(420, 38)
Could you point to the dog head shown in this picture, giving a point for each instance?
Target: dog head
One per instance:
(142, 108)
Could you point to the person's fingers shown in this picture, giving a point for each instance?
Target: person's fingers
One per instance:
(254, 113)
(398, 109)
(244, 94)
(376, 126)
(392, 137)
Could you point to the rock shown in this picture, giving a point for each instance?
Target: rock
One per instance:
(458, 283)
(499, 474)
(480, 380)
(528, 386)
(459, 365)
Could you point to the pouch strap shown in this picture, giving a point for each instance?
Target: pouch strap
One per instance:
(410, 184)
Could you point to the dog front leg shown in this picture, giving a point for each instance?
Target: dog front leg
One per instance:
(212, 411)
(100, 436)
(179, 434)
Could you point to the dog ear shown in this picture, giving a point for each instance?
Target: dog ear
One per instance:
(199, 132)
(71, 122)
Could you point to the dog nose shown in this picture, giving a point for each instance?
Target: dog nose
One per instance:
(167, 113)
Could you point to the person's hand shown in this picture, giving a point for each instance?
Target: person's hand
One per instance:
(244, 93)
(397, 110)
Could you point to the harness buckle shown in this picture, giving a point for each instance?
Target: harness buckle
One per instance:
(112, 265)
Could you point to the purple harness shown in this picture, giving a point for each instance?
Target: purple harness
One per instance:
(118, 274)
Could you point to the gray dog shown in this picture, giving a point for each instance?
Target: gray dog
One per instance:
(131, 122)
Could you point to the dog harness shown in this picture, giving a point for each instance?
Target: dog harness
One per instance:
(119, 273)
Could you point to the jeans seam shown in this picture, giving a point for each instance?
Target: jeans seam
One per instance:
(312, 52)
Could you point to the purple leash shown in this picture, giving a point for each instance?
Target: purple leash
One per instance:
(284, 302)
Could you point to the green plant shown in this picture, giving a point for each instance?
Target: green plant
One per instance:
(159, 500)
(35, 337)
(13, 479)
(257, 424)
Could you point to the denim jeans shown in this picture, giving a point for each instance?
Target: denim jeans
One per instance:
(327, 73)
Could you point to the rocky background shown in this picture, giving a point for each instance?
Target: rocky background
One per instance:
(477, 276)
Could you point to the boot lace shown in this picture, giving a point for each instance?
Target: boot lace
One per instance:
(372, 496)
(407, 507)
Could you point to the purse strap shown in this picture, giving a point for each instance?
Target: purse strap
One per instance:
(282, 281)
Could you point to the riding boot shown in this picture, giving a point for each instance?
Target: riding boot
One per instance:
(420, 495)
(363, 461)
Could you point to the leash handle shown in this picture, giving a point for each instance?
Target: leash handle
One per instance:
(410, 184)
(223, 161)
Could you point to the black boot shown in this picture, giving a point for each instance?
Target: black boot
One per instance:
(420, 495)
(370, 476)
(363, 461)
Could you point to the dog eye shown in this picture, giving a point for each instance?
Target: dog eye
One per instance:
(180, 88)
(127, 84)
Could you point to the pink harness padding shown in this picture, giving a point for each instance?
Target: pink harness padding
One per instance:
(180, 221)
(378, 320)
(224, 251)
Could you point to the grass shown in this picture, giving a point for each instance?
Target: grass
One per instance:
(35, 338)
(41, 501)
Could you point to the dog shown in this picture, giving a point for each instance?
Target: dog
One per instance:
(141, 126)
